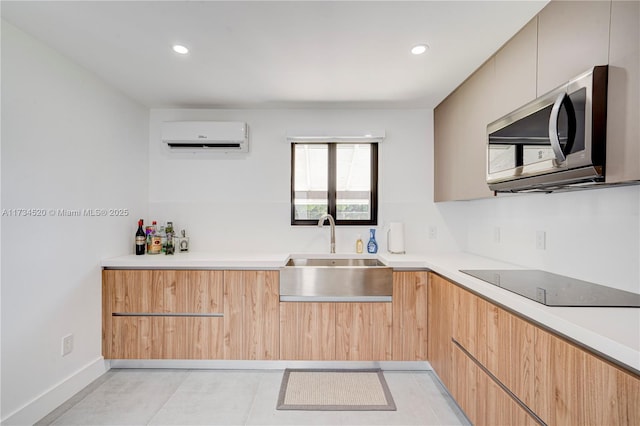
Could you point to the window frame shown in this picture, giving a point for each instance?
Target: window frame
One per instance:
(331, 189)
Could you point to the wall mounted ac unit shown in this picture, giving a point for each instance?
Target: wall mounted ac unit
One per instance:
(206, 136)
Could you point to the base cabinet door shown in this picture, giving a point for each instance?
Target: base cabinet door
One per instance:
(410, 306)
(575, 387)
(327, 331)
(251, 306)
(363, 331)
(440, 328)
(307, 331)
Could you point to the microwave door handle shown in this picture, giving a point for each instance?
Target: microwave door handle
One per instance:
(553, 128)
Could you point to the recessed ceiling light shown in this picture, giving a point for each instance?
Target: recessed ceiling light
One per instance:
(419, 49)
(180, 49)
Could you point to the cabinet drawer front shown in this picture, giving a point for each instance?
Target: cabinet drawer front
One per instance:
(162, 291)
(166, 338)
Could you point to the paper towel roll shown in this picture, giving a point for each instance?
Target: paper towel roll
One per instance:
(395, 238)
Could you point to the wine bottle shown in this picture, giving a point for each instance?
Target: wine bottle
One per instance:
(141, 239)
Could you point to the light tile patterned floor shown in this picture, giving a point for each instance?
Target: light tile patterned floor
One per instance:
(239, 397)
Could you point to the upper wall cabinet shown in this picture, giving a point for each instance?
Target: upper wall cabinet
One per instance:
(623, 128)
(573, 36)
(502, 84)
(564, 40)
(460, 127)
(516, 71)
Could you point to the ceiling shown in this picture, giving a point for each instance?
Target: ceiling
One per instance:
(276, 54)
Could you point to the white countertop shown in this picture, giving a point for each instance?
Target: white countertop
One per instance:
(612, 332)
(199, 261)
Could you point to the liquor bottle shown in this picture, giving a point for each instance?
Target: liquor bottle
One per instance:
(151, 232)
(170, 247)
(141, 239)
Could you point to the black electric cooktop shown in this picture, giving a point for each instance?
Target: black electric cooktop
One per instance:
(556, 290)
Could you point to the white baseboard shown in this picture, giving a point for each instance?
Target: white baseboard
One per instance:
(53, 397)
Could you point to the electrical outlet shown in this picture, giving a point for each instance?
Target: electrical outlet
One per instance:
(496, 234)
(433, 232)
(541, 240)
(67, 344)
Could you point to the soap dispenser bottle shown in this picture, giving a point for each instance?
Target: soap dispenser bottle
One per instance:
(359, 245)
(372, 245)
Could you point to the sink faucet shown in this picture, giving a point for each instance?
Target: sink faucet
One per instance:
(332, 223)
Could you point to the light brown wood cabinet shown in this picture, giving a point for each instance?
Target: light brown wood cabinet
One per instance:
(307, 331)
(482, 399)
(252, 315)
(410, 315)
(580, 387)
(556, 380)
(162, 314)
(440, 328)
(360, 331)
(363, 331)
(350, 331)
(237, 315)
(182, 314)
(500, 341)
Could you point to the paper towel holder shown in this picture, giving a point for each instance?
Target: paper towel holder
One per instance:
(388, 244)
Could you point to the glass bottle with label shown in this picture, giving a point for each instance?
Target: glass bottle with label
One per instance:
(184, 242)
(170, 247)
(141, 239)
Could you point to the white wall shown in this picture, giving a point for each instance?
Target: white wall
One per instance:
(232, 202)
(592, 235)
(68, 142)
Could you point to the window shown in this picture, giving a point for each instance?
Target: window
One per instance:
(336, 178)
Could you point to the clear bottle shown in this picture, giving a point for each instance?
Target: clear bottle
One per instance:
(163, 238)
(184, 242)
(359, 245)
(156, 240)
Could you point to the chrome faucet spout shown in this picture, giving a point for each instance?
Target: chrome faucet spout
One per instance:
(332, 223)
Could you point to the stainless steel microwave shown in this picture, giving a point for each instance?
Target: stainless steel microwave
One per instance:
(556, 141)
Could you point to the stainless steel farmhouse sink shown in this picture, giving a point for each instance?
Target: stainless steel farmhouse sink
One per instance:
(335, 279)
(334, 262)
